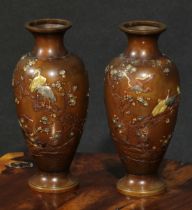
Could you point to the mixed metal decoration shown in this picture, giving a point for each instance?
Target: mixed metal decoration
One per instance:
(142, 97)
(51, 96)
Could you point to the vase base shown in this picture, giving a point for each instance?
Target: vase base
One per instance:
(53, 182)
(140, 186)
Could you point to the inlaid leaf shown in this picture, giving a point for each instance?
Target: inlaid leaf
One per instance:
(159, 108)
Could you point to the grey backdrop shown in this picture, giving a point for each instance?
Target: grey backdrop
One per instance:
(95, 37)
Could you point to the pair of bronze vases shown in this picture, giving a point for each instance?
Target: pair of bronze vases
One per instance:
(141, 96)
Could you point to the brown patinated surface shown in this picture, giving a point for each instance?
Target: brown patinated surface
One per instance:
(51, 94)
(98, 174)
(142, 98)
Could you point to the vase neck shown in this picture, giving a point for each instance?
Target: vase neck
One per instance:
(49, 46)
(142, 47)
(142, 38)
(48, 34)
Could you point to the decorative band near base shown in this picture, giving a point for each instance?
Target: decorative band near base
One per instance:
(53, 183)
(141, 186)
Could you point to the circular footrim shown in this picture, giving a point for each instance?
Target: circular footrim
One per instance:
(53, 182)
(140, 186)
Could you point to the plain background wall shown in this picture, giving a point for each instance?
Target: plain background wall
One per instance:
(95, 37)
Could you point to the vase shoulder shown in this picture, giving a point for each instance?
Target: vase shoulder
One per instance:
(157, 77)
(70, 61)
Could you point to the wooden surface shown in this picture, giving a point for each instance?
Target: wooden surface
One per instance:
(98, 174)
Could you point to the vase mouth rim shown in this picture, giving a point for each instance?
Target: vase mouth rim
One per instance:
(48, 25)
(142, 27)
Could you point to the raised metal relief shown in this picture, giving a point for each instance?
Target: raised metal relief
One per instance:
(162, 105)
(29, 64)
(122, 72)
(39, 84)
(135, 131)
(56, 125)
(159, 108)
(141, 100)
(62, 73)
(37, 81)
(72, 100)
(46, 92)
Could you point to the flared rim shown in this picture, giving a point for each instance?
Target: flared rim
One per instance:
(48, 25)
(142, 27)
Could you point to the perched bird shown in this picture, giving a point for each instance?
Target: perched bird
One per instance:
(38, 84)
(46, 92)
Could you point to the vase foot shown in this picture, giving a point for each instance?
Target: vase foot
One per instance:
(53, 182)
(141, 186)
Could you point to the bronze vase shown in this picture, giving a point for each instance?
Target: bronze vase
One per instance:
(51, 96)
(142, 98)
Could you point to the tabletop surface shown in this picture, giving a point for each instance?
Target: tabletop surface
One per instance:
(97, 174)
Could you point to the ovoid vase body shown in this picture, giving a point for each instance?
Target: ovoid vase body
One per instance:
(141, 97)
(51, 96)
